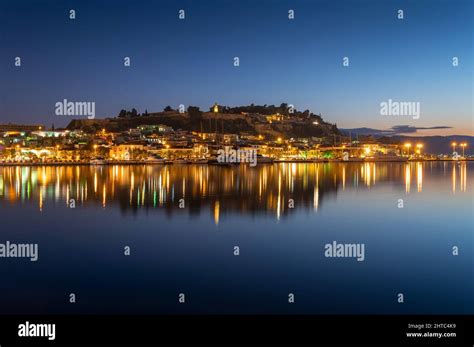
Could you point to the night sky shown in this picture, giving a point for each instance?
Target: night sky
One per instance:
(190, 61)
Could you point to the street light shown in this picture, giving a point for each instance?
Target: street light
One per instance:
(419, 146)
(454, 144)
(463, 145)
(408, 145)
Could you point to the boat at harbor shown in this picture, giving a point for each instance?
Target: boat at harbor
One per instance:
(264, 160)
(97, 162)
(199, 161)
(155, 160)
(178, 161)
(392, 158)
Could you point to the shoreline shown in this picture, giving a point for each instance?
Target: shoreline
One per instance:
(130, 162)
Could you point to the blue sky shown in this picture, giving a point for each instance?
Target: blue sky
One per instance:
(190, 61)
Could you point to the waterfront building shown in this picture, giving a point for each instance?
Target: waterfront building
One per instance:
(125, 151)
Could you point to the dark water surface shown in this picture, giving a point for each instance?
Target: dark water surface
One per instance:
(190, 250)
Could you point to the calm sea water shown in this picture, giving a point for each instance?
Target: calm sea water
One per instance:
(190, 249)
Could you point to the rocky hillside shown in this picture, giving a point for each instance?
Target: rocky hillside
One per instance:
(270, 121)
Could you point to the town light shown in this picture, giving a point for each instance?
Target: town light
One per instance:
(419, 146)
(463, 145)
(454, 144)
(408, 145)
(279, 139)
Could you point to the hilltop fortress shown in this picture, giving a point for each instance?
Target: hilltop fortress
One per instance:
(269, 121)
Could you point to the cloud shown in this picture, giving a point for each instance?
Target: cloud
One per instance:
(395, 130)
(404, 129)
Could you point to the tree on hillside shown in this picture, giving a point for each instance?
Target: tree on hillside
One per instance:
(168, 109)
(194, 113)
(134, 113)
(122, 113)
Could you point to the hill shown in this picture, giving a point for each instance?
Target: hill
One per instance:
(270, 121)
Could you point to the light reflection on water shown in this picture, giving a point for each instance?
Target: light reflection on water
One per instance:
(265, 188)
(282, 248)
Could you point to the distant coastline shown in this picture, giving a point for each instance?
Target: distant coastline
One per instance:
(139, 162)
(181, 136)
